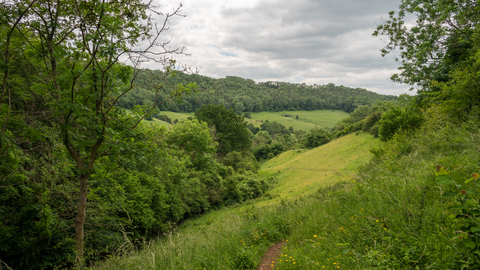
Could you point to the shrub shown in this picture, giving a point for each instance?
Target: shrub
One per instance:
(317, 137)
(265, 151)
(398, 119)
(371, 120)
(241, 160)
(375, 131)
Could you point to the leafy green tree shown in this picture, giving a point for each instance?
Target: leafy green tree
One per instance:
(316, 137)
(371, 120)
(230, 130)
(239, 108)
(241, 161)
(360, 113)
(253, 128)
(441, 37)
(267, 151)
(194, 138)
(460, 96)
(398, 119)
(79, 45)
(262, 137)
(273, 128)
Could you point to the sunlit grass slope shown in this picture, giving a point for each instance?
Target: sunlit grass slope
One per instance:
(302, 172)
(392, 215)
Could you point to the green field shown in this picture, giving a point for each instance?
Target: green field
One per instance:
(180, 116)
(156, 122)
(306, 119)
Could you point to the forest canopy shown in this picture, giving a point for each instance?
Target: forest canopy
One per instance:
(245, 95)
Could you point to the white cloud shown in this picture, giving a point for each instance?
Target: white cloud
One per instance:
(310, 41)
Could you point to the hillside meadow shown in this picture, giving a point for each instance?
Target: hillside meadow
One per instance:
(339, 207)
(301, 172)
(236, 237)
(306, 119)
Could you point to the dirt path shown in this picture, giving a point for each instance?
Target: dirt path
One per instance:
(270, 258)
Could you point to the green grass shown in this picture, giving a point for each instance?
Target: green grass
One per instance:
(225, 238)
(302, 172)
(306, 119)
(392, 216)
(180, 116)
(387, 214)
(156, 123)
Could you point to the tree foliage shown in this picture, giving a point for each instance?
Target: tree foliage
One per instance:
(65, 85)
(398, 119)
(316, 137)
(244, 95)
(230, 130)
(440, 38)
(273, 128)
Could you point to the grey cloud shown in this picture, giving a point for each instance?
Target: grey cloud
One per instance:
(321, 41)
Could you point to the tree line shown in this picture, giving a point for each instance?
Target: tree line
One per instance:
(244, 95)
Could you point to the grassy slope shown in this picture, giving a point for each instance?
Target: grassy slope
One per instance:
(218, 239)
(391, 216)
(156, 123)
(302, 172)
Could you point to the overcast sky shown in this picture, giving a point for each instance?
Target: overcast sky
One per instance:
(297, 41)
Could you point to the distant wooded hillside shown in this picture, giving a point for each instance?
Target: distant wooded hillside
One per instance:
(244, 95)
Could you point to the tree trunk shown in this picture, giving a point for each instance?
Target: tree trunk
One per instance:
(80, 218)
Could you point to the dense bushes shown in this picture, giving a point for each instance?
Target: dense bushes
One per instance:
(156, 180)
(241, 161)
(398, 119)
(317, 137)
(363, 118)
(267, 151)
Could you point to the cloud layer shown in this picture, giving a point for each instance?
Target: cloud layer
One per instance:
(303, 41)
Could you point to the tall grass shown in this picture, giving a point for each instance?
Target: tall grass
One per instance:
(220, 240)
(392, 216)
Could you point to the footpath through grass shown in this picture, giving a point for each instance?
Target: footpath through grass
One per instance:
(236, 237)
(391, 215)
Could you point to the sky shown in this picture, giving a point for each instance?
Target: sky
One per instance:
(296, 41)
